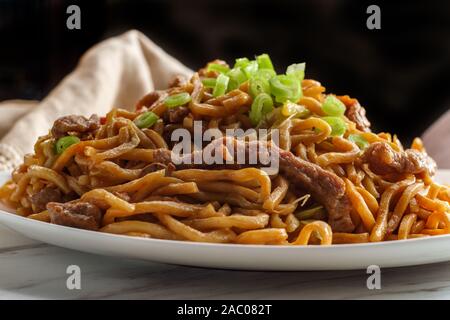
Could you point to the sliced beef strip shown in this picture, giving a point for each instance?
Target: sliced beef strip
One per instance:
(155, 166)
(74, 124)
(162, 156)
(178, 81)
(324, 186)
(382, 159)
(44, 196)
(82, 215)
(151, 98)
(356, 113)
(177, 115)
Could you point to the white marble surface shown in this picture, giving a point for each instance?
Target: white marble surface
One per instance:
(32, 270)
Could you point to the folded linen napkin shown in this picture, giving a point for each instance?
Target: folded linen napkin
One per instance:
(114, 73)
(437, 141)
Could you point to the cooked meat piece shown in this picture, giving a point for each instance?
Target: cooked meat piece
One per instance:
(324, 186)
(44, 196)
(82, 215)
(382, 159)
(356, 113)
(176, 115)
(177, 81)
(151, 98)
(168, 130)
(162, 156)
(169, 167)
(75, 124)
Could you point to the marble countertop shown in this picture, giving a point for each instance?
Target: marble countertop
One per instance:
(33, 270)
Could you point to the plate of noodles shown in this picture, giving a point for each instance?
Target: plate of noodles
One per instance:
(237, 167)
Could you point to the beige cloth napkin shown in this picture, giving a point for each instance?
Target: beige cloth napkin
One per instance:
(437, 141)
(115, 73)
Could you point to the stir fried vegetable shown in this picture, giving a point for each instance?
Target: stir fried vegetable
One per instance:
(63, 143)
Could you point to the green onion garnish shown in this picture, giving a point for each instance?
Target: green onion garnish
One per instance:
(146, 120)
(285, 87)
(315, 212)
(177, 99)
(359, 140)
(261, 106)
(221, 85)
(258, 85)
(217, 67)
(297, 70)
(237, 77)
(251, 68)
(264, 61)
(332, 106)
(337, 124)
(241, 63)
(265, 73)
(63, 143)
(290, 108)
(209, 82)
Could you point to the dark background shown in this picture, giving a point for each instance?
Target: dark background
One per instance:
(400, 73)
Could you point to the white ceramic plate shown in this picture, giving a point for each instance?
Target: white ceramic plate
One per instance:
(244, 257)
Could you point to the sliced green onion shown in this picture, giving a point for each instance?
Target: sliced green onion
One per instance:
(316, 212)
(217, 67)
(262, 105)
(297, 70)
(332, 106)
(359, 140)
(146, 120)
(285, 88)
(209, 82)
(290, 108)
(63, 143)
(221, 85)
(250, 69)
(258, 85)
(265, 73)
(241, 62)
(337, 124)
(177, 99)
(264, 61)
(237, 77)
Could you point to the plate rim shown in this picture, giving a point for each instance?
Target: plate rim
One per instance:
(225, 246)
(105, 235)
